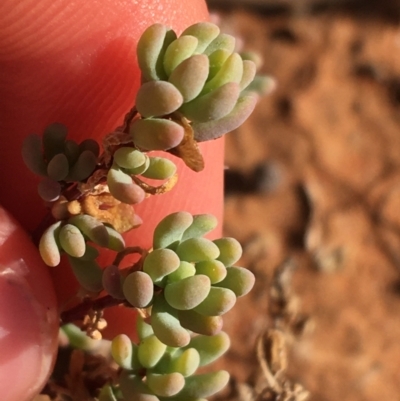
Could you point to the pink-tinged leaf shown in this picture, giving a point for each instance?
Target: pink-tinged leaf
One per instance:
(215, 129)
(214, 105)
(156, 134)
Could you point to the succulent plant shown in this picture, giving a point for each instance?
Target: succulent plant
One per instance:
(194, 88)
(197, 76)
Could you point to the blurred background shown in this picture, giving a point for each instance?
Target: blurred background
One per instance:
(313, 193)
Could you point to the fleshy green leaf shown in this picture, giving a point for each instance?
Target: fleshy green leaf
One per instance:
(207, 131)
(213, 105)
(123, 188)
(171, 229)
(178, 51)
(158, 98)
(150, 50)
(32, 154)
(138, 289)
(156, 134)
(205, 32)
(190, 76)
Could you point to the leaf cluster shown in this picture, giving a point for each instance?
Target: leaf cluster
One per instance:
(195, 87)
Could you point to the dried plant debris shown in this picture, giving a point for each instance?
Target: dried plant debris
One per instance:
(289, 393)
(272, 352)
(85, 374)
(188, 150)
(284, 305)
(286, 324)
(93, 323)
(269, 383)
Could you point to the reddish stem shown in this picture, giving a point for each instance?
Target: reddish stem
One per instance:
(78, 312)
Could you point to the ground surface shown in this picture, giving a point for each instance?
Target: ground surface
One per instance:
(315, 179)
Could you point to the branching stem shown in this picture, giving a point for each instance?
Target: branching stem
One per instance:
(78, 312)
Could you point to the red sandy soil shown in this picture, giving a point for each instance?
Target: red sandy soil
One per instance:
(328, 144)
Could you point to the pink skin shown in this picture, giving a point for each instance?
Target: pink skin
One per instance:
(73, 62)
(28, 315)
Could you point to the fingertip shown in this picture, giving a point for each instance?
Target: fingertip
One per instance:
(73, 63)
(28, 315)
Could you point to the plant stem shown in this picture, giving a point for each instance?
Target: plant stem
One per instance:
(78, 312)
